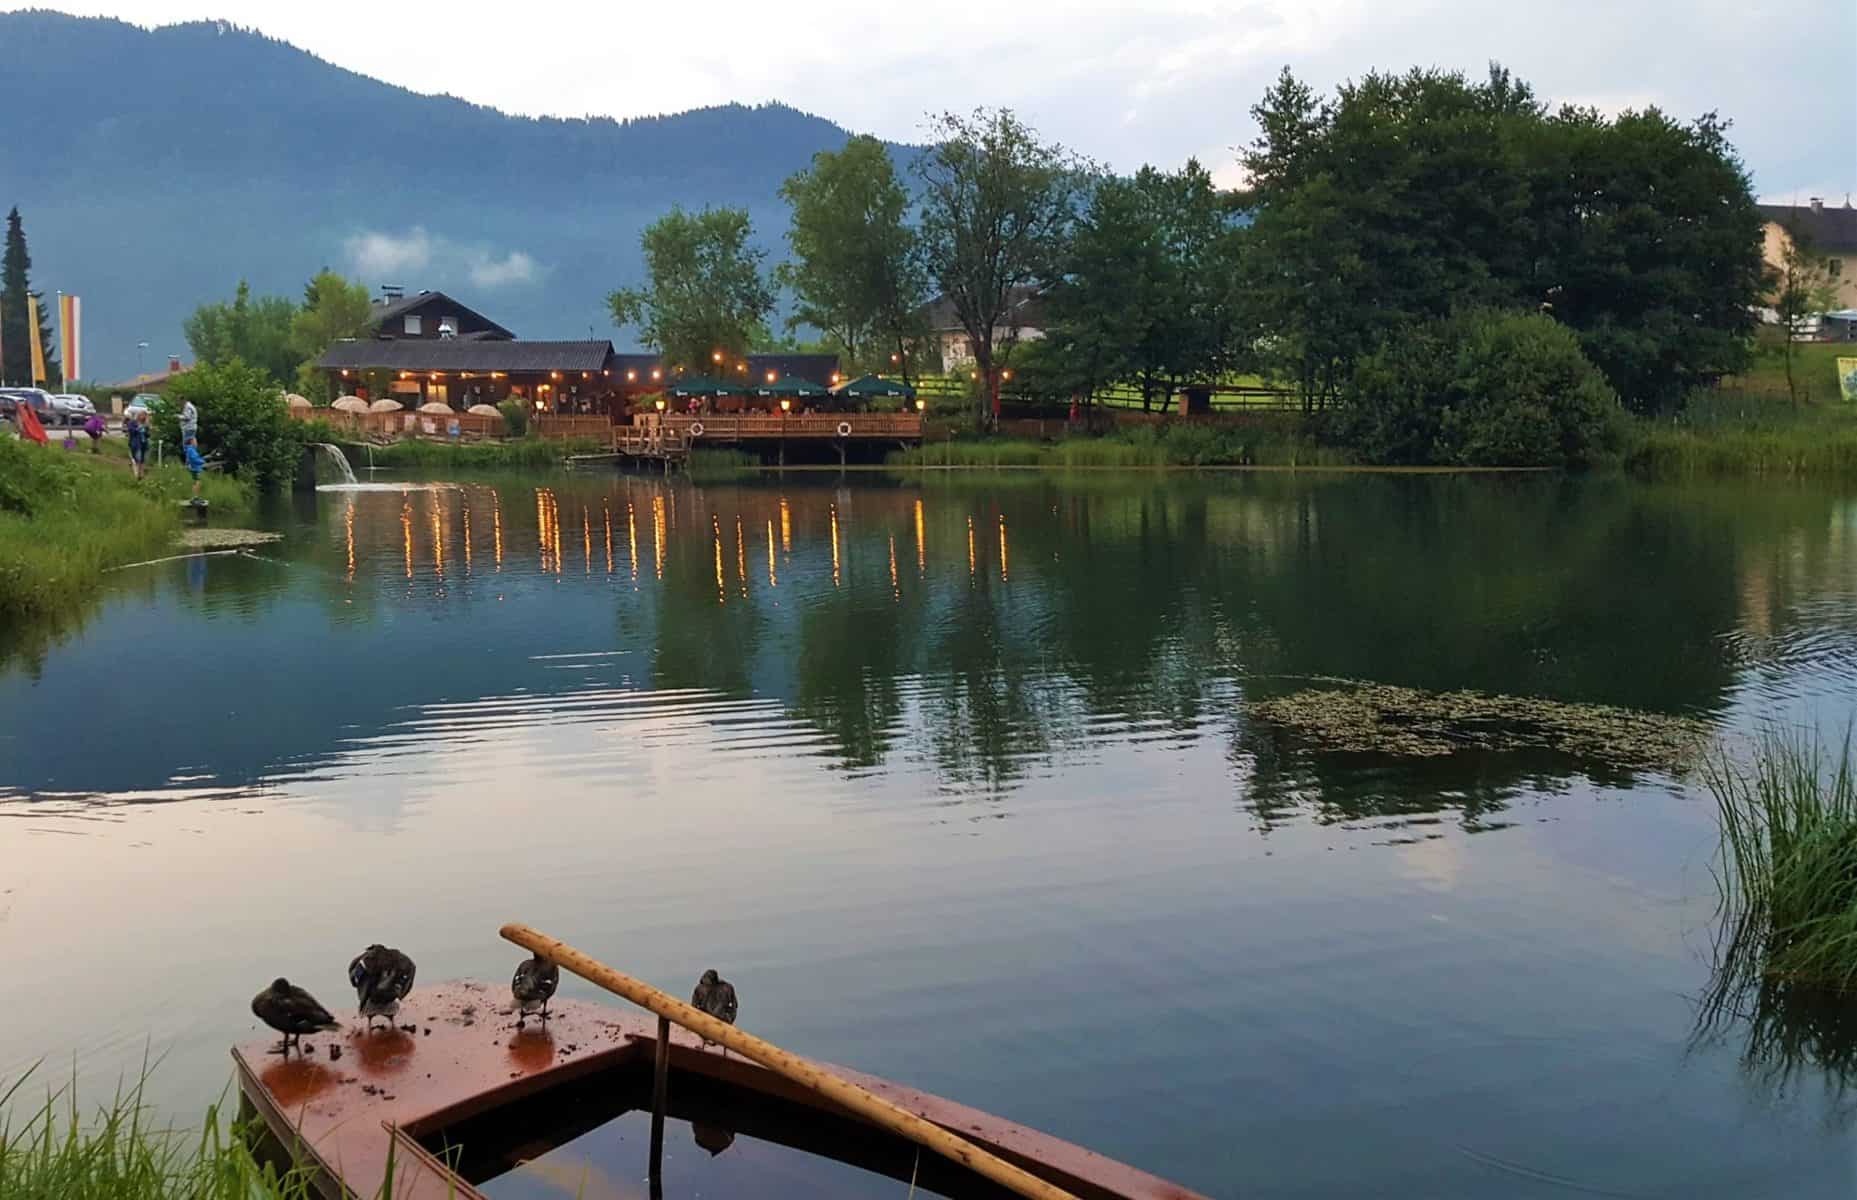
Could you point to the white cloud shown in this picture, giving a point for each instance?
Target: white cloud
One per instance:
(514, 267)
(420, 258)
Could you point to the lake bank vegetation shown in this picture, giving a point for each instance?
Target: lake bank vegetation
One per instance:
(57, 1151)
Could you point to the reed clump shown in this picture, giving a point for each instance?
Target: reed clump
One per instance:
(1182, 444)
(53, 1151)
(1788, 867)
(713, 464)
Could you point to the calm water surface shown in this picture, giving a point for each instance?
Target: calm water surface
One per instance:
(953, 781)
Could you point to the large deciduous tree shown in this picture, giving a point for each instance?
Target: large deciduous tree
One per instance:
(1801, 287)
(333, 309)
(15, 328)
(856, 272)
(257, 332)
(705, 292)
(1146, 293)
(997, 207)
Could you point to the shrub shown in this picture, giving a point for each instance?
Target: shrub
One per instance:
(515, 417)
(1482, 388)
(243, 421)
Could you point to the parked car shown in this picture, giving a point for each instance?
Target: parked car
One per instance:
(38, 399)
(72, 409)
(143, 402)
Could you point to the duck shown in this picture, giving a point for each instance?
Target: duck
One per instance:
(381, 977)
(291, 1011)
(715, 996)
(535, 982)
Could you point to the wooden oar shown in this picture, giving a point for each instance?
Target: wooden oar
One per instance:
(864, 1103)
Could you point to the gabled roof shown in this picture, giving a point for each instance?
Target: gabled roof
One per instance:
(465, 354)
(382, 314)
(1833, 230)
(1025, 309)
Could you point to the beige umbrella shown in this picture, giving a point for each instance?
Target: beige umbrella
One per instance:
(385, 405)
(353, 404)
(296, 401)
(435, 408)
(484, 410)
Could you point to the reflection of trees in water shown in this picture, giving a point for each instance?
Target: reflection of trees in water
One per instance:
(1790, 1034)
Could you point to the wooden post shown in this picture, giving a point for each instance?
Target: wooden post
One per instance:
(660, 1080)
(842, 1092)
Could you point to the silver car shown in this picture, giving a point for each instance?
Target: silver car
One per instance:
(72, 409)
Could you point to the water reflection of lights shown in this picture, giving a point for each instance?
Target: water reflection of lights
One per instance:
(972, 559)
(921, 543)
(606, 517)
(1002, 547)
(496, 525)
(541, 527)
(586, 541)
(467, 537)
(658, 534)
(438, 537)
(631, 536)
(896, 589)
(835, 575)
(348, 524)
(773, 580)
(406, 533)
(786, 527)
(741, 556)
(715, 532)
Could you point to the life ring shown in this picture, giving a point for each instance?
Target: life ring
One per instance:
(696, 429)
(844, 429)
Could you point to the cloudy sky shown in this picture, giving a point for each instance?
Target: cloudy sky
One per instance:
(1142, 80)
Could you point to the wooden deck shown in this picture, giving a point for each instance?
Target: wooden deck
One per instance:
(725, 428)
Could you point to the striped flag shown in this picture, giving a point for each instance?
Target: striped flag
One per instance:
(71, 333)
(32, 339)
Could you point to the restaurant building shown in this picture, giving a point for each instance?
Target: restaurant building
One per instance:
(429, 347)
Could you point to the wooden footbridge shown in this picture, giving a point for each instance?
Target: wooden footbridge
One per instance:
(669, 438)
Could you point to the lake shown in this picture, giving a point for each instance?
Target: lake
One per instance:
(953, 778)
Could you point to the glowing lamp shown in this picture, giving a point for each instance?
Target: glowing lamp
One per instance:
(656, 373)
(660, 401)
(717, 356)
(786, 406)
(921, 404)
(770, 376)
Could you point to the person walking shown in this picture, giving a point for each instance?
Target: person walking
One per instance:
(94, 427)
(190, 445)
(135, 427)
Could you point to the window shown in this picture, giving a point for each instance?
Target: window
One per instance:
(412, 326)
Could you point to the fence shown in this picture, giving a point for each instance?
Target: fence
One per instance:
(554, 425)
(387, 425)
(1232, 397)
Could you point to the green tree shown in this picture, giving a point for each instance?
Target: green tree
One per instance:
(1647, 242)
(1146, 292)
(333, 309)
(257, 332)
(706, 291)
(856, 273)
(243, 421)
(997, 207)
(1802, 287)
(15, 286)
(1393, 203)
(1482, 388)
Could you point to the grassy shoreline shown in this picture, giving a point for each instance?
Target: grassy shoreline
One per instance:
(68, 517)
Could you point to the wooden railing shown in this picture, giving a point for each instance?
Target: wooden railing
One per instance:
(758, 427)
(555, 425)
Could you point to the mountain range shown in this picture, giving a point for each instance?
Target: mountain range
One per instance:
(154, 169)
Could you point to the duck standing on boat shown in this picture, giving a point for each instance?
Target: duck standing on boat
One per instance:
(381, 977)
(536, 980)
(715, 996)
(291, 1011)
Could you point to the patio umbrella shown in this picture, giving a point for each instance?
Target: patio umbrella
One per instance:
(353, 404)
(435, 409)
(385, 405)
(870, 387)
(790, 385)
(703, 385)
(296, 401)
(483, 410)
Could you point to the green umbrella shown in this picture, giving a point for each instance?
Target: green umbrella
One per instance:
(703, 385)
(866, 387)
(792, 386)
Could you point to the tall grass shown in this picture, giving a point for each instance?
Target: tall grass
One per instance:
(714, 463)
(514, 453)
(1788, 869)
(1798, 451)
(54, 1152)
(65, 518)
(1177, 445)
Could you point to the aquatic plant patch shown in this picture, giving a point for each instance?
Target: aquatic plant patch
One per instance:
(1379, 718)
